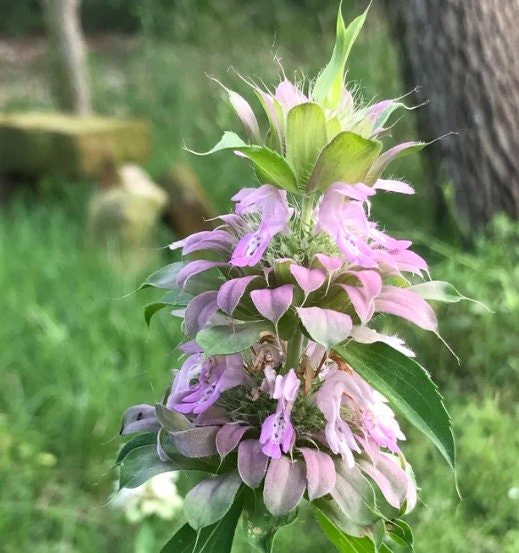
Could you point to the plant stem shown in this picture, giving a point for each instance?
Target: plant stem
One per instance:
(293, 352)
(307, 209)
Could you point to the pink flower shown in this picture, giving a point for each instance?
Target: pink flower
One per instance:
(277, 431)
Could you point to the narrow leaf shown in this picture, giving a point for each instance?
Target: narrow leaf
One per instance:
(347, 158)
(328, 87)
(408, 387)
(225, 339)
(305, 137)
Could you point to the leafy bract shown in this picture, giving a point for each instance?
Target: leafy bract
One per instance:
(390, 155)
(345, 543)
(270, 166)
(327, 90)
(347, 158)
(226, 339)
(408, 387)
(438, 290)
(216, 538)
(305, 137)
(211, 499)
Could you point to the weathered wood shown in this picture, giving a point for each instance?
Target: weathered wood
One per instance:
(68, 55)
(189, 209)
(464, 56)
(37, 144)
(123, 217)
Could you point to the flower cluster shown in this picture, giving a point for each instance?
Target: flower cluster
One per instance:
(280, 388)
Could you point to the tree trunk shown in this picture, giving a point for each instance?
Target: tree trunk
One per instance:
(464, 55)
(69, 75)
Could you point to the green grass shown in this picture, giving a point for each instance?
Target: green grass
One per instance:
(75, 353)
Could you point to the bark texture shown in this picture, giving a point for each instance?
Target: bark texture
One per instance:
(69, 76)
(464, 56)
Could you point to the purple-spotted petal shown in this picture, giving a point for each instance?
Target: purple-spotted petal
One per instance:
(325, 326)
(199, 310)
(229, 437)
(273, 303)
(285, 484)
(250, 248)
(320, 472)
(308, 279)
(252, 462)
(231, 292)
(407, 304)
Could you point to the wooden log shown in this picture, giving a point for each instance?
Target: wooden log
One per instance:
(38, 144)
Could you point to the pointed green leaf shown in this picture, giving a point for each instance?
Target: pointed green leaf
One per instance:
(216, 538)
(305, 137)
(173, 298)
(347, 158)
(407, 386)
(165, 277)
(226, 339)
(328, 86)
(270, 167)
(343, 542)
(229, 141)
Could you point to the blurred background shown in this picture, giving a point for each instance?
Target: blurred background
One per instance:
(87, 203)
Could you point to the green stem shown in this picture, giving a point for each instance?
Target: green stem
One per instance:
(306, 211)
(293, 352)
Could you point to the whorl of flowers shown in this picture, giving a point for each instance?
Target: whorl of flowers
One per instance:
(276, 395)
